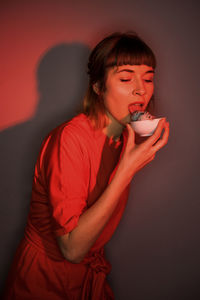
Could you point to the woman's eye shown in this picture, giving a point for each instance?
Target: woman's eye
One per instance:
(125, 80)
(148, 80)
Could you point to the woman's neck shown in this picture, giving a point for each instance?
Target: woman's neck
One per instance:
(113, 128)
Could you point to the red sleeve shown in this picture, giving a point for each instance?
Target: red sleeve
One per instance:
(66, 169)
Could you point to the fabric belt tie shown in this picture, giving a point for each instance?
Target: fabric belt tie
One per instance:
(95, 286)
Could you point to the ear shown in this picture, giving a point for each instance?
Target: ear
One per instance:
(96, 88)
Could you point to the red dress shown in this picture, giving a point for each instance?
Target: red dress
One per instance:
(74, 167)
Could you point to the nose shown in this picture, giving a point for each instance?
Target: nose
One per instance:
(138, 88)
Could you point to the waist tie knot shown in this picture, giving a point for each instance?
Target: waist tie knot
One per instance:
(95, 286)
(97, 262)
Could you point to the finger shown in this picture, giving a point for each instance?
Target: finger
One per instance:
(156, 135)
(163, 141)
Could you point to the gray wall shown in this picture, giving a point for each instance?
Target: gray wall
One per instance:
(155, 250)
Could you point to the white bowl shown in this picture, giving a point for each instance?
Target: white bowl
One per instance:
(145, 127)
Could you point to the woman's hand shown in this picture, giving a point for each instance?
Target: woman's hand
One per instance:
(135, 157)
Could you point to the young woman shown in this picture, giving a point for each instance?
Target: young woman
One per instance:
(82, 178)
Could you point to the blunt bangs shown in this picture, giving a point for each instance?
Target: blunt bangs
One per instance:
(131, 51)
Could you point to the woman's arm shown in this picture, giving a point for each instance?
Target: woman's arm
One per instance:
(75, 245)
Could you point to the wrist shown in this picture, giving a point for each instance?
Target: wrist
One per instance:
(122, 177)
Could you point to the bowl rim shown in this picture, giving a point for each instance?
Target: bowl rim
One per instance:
(150, 120)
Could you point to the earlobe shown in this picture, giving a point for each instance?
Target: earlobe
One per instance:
(96, 88)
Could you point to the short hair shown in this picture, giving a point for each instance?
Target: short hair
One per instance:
(114, 50)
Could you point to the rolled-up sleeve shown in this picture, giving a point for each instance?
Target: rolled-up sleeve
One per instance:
(66, 169)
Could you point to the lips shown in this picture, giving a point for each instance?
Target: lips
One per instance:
(136, 106)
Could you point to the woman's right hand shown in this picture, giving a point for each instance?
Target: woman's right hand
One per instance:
(135, 157)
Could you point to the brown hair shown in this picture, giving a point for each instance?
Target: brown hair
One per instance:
(114, 50)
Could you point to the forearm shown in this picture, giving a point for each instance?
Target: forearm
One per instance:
(77, 243)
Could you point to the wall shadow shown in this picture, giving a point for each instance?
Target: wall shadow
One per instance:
(61, 82)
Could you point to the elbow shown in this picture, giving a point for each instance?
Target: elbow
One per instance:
(72, 256)
(69, 251)
(74, 260)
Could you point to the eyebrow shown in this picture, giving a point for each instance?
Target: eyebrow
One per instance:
(131, 71)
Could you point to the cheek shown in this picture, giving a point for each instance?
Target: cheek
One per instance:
(111, 95)
(150, 91)
(119, 91)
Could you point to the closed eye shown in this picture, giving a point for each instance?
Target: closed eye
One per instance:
(148, 80)
(125, 80)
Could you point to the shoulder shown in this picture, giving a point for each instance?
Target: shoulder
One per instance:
(77, 131)
(79, 128)
(80, 125)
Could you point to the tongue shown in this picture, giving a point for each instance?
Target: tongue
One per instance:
(133, 107)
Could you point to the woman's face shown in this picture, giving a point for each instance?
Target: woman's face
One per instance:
(128, 88)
